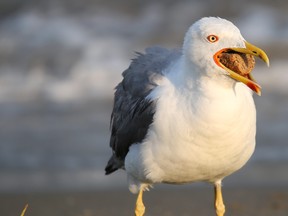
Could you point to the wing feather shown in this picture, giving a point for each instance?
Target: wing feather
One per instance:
(133, 112)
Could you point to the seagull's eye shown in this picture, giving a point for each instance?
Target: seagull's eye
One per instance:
(212, 38)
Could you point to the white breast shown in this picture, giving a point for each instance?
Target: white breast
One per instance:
(195, 138)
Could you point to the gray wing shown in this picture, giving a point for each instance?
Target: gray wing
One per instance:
(132, 112)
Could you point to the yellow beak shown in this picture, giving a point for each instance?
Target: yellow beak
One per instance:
(252, 50)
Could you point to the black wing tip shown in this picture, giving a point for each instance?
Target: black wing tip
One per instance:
(113, 164)
(109, 170)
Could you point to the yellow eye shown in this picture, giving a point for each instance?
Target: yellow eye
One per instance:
(212, 38)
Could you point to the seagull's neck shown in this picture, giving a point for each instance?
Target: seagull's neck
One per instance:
(187, 76)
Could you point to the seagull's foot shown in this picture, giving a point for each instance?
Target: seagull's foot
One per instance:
(220, 209)
(219, 204)
(140, 208)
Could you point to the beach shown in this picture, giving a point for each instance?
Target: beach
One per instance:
(240, 201)
(60, 61)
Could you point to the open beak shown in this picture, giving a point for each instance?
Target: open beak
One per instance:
(248, 80)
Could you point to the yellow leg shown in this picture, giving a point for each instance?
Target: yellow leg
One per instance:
(140, 208)
(219, 205)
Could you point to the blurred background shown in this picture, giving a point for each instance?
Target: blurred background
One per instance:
(61, 59)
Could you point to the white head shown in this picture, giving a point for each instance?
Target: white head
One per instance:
(210, 36)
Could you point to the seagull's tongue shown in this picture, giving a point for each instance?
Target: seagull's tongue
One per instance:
(240, 63)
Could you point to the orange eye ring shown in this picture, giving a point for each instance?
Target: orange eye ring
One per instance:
(212, 38)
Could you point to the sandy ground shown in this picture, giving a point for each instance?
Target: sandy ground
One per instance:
(245, 201)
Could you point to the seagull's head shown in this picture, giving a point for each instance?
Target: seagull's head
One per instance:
(210, 37)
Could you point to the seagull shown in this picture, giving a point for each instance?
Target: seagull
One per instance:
(181, 116)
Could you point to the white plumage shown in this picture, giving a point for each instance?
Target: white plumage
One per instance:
(204, 121)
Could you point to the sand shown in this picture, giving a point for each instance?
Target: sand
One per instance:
(177, 200)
